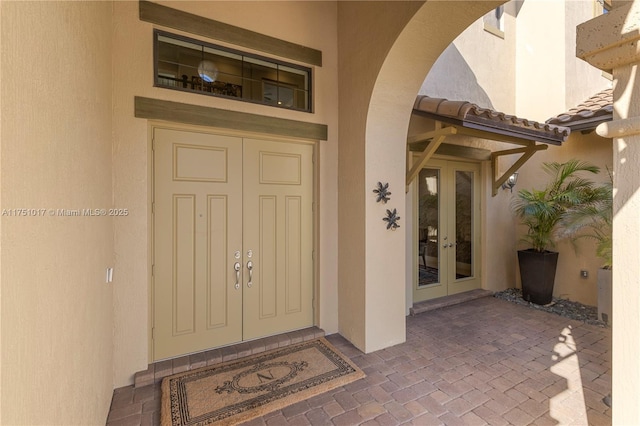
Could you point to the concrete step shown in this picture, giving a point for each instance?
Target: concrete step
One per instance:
(441, 302)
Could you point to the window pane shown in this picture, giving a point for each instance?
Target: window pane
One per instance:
(495, 18)
(428, 226)
(464, 224)
(186, 64)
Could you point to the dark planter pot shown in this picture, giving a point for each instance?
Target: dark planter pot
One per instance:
(538, 274)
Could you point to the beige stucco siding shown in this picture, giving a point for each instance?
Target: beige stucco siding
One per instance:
(581, 79)
(611, 42)
(57, 345)
(69, 75)
(366, 31)
(550, 80)
(478, 67)
(540, 54)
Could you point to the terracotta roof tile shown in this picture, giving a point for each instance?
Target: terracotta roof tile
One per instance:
(471, 115)
(587, 115)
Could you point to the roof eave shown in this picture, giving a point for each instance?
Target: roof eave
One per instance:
(491, 126)
(588, 124)
(518, 132)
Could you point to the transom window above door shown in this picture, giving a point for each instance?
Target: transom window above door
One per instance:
(191, 65)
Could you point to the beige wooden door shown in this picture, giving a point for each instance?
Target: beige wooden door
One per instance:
(448, 233)
(278, 230)
(219, 203)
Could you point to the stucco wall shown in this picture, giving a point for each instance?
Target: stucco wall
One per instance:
(540, 61)
(499, 254)
(311, 24)
(478, 67)
(581, 79)
(363, 47)
(1, 206)
(56, 154)
(610, 43)
(551, 80)
(626, 236)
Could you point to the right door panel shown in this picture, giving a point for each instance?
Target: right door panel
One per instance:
(278, 229)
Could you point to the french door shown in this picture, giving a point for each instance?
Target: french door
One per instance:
(233, 240)
(448, 234)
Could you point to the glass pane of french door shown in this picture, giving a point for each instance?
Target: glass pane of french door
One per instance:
(428, 227)
(464, 223)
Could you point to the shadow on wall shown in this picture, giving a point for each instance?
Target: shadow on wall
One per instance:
(625, 168)
(451, 63)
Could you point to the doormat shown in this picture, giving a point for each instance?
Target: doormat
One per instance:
(241, 390)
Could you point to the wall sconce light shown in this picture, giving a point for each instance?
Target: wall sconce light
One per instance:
(511, 182)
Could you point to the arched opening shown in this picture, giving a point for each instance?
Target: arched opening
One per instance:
(373, 262)
(383, 61)
(371, 254)
(483, 72)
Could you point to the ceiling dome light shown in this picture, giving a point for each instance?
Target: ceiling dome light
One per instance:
(207, 71)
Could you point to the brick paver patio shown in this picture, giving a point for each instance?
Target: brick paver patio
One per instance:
(486, 361)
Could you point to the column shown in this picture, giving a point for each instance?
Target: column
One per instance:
(611, 42)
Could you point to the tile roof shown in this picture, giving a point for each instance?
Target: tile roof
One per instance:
(470, 115)
(587, 115)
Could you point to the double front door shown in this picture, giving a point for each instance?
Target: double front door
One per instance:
(448, 234)
(233, 240)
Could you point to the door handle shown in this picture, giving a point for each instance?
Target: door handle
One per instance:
(237, 268)
(250, 269)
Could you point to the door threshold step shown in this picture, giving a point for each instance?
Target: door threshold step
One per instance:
(442, 302)
(158, 370)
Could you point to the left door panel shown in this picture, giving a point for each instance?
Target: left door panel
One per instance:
(197, 231)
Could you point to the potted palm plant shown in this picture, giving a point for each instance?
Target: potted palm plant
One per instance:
(541, 211)
(594, 220)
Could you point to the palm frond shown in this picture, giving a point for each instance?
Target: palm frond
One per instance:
(592, 219)
(542, 210)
